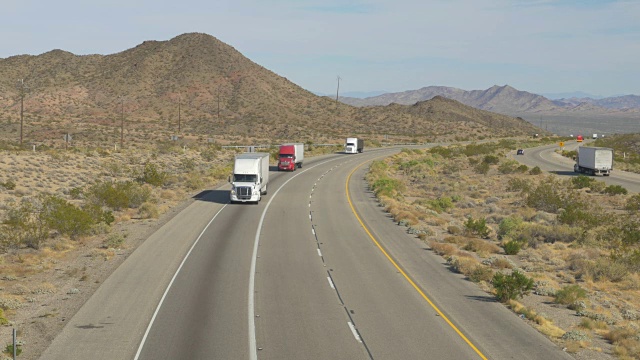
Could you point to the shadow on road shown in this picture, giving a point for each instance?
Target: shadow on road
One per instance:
(216, 196)
(565, 173)
(487, 298)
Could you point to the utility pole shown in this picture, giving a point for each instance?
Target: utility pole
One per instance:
(337, 92)
(23, 89)
(179, 104)
(122, 126)
(218, 103)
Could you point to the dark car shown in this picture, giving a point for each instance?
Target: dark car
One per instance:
(520, 152)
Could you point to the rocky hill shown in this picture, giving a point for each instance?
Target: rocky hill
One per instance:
(199, 88)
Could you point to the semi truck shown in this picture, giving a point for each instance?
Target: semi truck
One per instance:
(250, 177)
(290, 156)
(579, 138)
(353, 145)
(594, 160)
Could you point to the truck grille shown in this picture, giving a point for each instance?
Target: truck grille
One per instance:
(243, 192)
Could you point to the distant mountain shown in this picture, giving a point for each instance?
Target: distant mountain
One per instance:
(568, 95)
(618, 102)
(203, 88)
(504, 100)
(500, 99)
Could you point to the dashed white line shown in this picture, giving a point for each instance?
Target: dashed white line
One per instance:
(319, 253)
(331, 282)
(354, 331)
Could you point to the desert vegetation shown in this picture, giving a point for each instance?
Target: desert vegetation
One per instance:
(545, 246)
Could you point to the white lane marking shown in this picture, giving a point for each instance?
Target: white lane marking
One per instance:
(253, 349)
(313, 232)
(319, 253)
(309, 216)
(331, 282)
(354, 331)
(155, 313)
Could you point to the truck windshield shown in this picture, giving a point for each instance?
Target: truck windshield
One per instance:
(350, 144)
(244, 178)
(286, 156)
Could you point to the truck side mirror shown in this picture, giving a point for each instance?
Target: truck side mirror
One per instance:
(229, 179)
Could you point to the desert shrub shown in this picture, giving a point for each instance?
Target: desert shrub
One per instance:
(570, 294)
(119, 195)
(23, 226)
(480, 273)
(633, 203)
(64, 217)
(607, 269)
(442, 248)
(194, 181)
(516, 184)
(578, 214)
(512, 286)
(462, 264)
(98, 214)
(76, 193)
(481, 246)
(512, 247)
(9, 350)
(535, 171)
(148, 210)
(615, 190)
(546, 197)
(113, 241)
(508, 167)
(386, 186)
(508, 225)
(441, 204)
(454, 230)
(3, 319)
(9, 185)
(491, 160)
(481, 168)
(477, 227)
(151, 175)
(582, 181)
(522, 168)
(445, 152)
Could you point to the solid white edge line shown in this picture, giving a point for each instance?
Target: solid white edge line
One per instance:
(155, 313)
(253, 350)
(331, 282)
(354, 331)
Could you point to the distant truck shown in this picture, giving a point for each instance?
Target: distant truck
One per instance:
(250, 177)
(354, 145)
(594, 160)
(579, 138)
(290, 156)
(595, 136)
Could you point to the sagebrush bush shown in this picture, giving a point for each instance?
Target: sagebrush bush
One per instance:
(477, 227)
(633, 203)
(508, 225)
(441, 204)
(582, 181)
(512, 247)
(386, 186)
(546, 197)
(517, 184)
(151, 175)
(535, 171)
(615, 190)
(118, 195)
(570, 294)
(480, 273)
(66, 218)
(512, 286)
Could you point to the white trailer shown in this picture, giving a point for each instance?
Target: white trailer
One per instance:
(594, 160)
(250, 177)
(353, 145)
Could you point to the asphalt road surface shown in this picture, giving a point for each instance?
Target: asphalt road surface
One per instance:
(317, 270)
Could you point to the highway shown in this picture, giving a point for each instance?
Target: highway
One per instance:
(317, 270)
(548, 160)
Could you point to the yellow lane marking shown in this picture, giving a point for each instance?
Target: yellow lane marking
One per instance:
(407, 277)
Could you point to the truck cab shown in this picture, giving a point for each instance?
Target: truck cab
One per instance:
(250, 177)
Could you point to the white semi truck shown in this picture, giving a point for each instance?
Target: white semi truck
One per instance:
(250, 177)
(353, 145)
(594, 160)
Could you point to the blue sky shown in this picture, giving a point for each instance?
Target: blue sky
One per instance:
(541, 46)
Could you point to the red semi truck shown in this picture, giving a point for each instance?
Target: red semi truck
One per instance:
(291, 156)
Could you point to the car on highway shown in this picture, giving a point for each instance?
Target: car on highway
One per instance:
(520, 152)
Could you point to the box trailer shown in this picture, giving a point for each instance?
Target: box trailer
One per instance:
(250, 177)
(594, 160)
(353, 145)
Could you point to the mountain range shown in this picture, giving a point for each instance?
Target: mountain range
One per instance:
(504, 99)
(200, 88)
